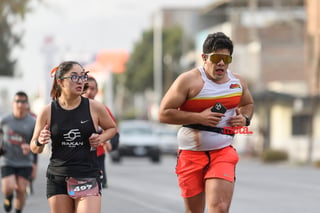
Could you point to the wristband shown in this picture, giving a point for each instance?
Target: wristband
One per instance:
(37, 143)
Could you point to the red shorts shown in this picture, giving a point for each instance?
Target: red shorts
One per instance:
(194, 167)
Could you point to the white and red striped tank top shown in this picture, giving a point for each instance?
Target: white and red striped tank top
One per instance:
(229, 94)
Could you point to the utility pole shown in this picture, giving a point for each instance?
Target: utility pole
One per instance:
(313, 36)
(49, 51)
(108, 90)
(157, 56)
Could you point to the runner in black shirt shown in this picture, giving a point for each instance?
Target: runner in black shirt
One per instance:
(70, 123)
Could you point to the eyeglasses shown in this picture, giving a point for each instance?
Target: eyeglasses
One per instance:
(216, 58)
(76, 78)
(21, 101)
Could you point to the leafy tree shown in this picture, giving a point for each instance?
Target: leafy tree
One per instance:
(138, 77)
(139, 72)
(175, 44)
(11, 12)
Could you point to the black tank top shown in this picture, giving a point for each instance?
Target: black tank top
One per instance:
(70, 130)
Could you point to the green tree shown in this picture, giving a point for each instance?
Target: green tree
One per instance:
(175, 45)
(138, 76)
(139, 72)
(11, 13)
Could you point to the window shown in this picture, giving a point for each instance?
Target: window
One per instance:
(301, 124)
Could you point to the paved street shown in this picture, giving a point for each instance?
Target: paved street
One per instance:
(139, 186)
(276, 189)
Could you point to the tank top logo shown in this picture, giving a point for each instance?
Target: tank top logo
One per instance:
(234, 86)
(15, 138)
(70, 138)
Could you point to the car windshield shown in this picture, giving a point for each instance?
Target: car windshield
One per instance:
(141, 131)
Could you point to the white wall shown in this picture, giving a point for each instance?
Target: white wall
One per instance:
(280, 128)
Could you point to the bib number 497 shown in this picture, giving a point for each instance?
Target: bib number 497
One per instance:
(80, 188)
(83, 187)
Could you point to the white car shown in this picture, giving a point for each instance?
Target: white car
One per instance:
(137, 139)
(167, 135)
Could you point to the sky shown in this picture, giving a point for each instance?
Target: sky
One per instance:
(81, 28)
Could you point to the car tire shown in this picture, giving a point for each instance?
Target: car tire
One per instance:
(155, 157)
(115, 157)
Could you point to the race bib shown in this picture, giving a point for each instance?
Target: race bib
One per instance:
(82, 187)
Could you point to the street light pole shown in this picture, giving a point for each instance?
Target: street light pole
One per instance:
(157, 56)
(313, 33)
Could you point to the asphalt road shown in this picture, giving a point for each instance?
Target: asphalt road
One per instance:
(139, 186)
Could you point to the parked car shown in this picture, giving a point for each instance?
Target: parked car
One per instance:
(138, 139)
(167, 137)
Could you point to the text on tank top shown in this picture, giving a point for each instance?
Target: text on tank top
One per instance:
(70, 130)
